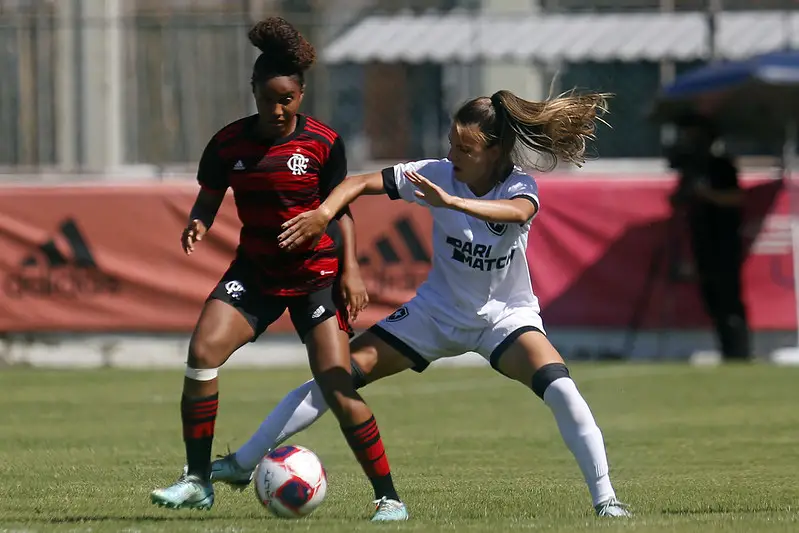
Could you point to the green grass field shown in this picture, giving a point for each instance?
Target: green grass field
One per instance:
(691, 450)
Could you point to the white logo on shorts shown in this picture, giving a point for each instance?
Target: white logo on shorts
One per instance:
(319, 312)
(235, 289)
(326, 272)
(298, 164)
(397, 315)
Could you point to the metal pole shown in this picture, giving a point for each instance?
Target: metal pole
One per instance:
(790, 355)
(789, 162)
(114, 57)
(668, 72)
(714, 8)
(66, 94)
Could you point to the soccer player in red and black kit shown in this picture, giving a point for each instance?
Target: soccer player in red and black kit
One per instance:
(279, 164)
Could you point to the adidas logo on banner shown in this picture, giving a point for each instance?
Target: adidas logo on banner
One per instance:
(48, 272)
(410, 239)
(239, 165)
(387, 252)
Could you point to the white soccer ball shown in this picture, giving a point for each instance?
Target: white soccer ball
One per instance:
(290, 481)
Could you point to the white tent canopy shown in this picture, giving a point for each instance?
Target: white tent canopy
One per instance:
(550, 38)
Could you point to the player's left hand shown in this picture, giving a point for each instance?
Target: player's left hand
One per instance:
(353, 289)
(428, 191)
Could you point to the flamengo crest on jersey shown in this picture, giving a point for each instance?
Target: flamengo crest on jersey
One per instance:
(298, 164)
(480, 268)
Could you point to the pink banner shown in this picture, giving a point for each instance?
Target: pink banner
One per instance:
(592, 246)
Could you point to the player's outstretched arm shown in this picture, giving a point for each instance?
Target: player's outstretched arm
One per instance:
(514, 211)
(511, 211)
(312, 224)
(350, 189)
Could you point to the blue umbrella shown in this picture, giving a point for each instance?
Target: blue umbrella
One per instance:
(752, 97)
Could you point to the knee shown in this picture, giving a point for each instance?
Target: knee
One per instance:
(337, 385)
(337, 388)
(546, 376)
(207, 352)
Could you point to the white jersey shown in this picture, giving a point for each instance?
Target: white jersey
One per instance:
(480, 271)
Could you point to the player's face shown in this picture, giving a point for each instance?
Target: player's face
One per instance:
(472, 160)
(278, 100)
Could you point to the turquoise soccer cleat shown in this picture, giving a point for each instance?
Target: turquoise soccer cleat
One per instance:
(227, 470)
(389, 511)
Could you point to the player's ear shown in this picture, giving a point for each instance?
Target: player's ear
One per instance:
(493, 152)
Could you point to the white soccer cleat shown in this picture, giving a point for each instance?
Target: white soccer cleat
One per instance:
(612, 507)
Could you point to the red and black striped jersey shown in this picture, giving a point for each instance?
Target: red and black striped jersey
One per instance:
(273, 182)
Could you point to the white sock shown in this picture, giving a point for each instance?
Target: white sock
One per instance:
(581, 435)
(296, 411)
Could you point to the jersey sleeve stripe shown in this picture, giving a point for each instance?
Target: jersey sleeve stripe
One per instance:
(310, 121)
(319, 128)
(319, 124)
(390, 183)
(319, 137)
(327, 139)
(533, 199)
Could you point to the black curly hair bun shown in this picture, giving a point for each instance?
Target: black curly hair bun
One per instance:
(285, 50)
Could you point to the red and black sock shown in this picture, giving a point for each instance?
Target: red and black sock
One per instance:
(199, 417)
(364, 439)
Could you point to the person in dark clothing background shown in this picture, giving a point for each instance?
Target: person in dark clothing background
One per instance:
(709, 195)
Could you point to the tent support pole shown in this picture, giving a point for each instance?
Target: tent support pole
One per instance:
(789, 163)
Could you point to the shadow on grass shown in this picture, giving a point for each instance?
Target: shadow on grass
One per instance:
(725, 511)
(122, 518)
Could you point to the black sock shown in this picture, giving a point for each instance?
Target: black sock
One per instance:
(366, 444)
(199, 417)
(384, 487)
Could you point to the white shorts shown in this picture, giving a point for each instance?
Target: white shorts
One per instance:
(423, 338)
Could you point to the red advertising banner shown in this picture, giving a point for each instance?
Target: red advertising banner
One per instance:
(596, 243)
(108, 258)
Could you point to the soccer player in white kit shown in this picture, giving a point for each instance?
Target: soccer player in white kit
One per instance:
(478, 296)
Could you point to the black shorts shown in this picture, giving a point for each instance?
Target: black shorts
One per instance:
(239, 288)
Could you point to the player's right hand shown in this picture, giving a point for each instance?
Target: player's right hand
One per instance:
(193, 233)
(353, 290)
(308, 226)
